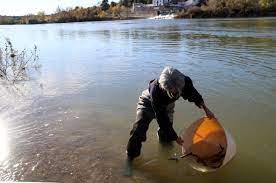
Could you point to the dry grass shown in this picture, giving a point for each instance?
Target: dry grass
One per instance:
(14, 64)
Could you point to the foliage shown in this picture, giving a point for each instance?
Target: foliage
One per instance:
(116, 11)
(120, 10)
(231, 8)
(104, 5)
(77, 14)
(113, 4)
(268, 4)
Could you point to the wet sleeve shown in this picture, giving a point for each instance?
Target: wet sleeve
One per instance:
(190, 93)
(161, 113)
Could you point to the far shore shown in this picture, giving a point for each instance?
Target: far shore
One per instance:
(146, 17)
(119, 12)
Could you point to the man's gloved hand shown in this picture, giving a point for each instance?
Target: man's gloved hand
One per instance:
(207, 111)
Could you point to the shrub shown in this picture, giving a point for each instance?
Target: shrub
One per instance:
(14, 64)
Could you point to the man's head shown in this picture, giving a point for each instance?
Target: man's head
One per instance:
(172, 81)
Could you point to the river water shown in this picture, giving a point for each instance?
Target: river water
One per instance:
(70, 122)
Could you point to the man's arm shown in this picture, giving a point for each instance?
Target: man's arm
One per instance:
(192, 95)
(207, 111)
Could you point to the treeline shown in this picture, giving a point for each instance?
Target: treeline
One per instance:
(129, 3)
(106, 11)
(231, 8)
(122, 10)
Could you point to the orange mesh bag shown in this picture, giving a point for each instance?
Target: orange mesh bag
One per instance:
(208, 145)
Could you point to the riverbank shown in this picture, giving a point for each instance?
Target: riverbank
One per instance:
(211, 9)
(73, 15)
(199, 13)
(180, 15)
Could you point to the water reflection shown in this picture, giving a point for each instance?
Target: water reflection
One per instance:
(245, 23)
(4, 141)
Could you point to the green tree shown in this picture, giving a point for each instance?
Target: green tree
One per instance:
(126, 3)
(104, 5)
(267, 4)
(142, 1)
(112, 4)
(116, 11)
(41, 16)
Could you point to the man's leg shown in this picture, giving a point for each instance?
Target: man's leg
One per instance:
(138, 133)
(162, 133)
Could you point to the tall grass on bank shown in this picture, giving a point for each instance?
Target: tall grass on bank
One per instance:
(14, 64)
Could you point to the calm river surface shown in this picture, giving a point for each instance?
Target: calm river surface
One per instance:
(71, 121)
